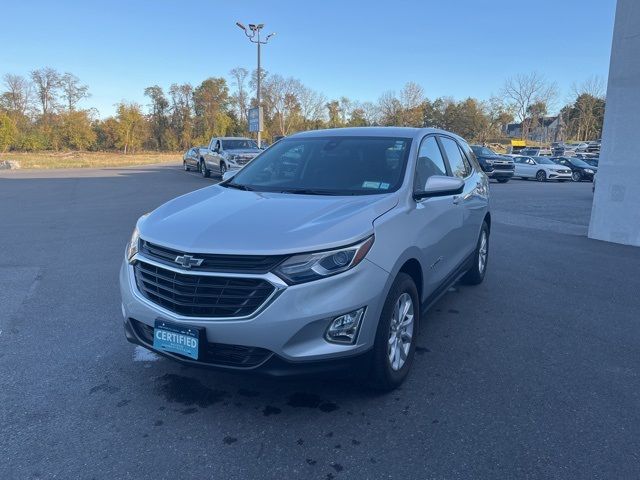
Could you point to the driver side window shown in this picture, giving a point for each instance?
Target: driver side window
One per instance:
(430, 162)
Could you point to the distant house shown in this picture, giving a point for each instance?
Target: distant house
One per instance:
(546, 129)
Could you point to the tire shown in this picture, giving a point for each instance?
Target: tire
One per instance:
(502, 180)
(388, 368)
(475, 275)
(204, 171)
(541, 176)
(223, 169)
(576, 176)
(185, 166)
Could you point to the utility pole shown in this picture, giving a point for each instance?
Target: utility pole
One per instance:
(255, 117)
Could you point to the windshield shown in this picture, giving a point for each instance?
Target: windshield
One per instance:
(545, 161)
(328, 166)
(238, 144)
(483, 151)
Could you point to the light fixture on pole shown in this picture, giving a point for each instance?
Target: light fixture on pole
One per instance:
(255, 115)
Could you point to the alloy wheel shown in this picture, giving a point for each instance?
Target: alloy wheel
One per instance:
(541, 176)
(576, 177)
(483, 252)
(401, 332)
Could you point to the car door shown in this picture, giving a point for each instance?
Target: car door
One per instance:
(471, 202)
(527, 168)
(438, 219)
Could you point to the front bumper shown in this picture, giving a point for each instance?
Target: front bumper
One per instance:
(290, 327)
(558, 176)
(500, 173)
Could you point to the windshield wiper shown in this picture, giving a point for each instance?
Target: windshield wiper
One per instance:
(238, 186)
(309, 191)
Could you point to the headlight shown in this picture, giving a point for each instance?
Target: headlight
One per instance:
(306, 267)
(134, 243)
(588, 170)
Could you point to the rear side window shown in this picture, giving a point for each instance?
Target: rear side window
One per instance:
(459, 165)
(430, 162)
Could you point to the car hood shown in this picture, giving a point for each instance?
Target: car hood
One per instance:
(495, 157)
(228, 221)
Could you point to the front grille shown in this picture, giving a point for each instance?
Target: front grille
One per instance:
(201, 295)
(214, 262)
(213, 353)
(503, 166)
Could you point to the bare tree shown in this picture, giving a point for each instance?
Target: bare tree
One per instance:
(311, 105)
(412, 100)
(594, 86)
(523, 90)
(18, 95)
(240, 98)
(72, 90)
(47, 84)
(390, 108)
(281, 97)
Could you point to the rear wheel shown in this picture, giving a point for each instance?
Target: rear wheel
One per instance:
(576, 176)
(476, 273)
(541, 176)
(395, 342)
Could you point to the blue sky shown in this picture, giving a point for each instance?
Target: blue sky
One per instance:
(360, 49)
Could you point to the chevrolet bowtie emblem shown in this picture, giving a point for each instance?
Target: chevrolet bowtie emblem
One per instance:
(187, 261)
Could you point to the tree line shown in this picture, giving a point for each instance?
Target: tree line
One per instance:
(42, 111)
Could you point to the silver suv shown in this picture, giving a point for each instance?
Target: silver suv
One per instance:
(322, 254)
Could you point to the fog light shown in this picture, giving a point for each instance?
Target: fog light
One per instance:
(344, 329)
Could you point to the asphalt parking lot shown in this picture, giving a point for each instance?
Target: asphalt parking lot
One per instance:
(534, 374)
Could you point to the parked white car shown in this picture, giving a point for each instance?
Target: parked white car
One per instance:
(540, 168)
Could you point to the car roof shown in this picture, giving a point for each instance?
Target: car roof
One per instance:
(400, 132)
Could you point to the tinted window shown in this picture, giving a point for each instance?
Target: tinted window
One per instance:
(459, 166)
(429, 163)
(329, 166)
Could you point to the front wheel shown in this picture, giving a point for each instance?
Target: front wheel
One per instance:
(395, 342)
(204, 171)
(475, 275)
(541, 176)
(576, 176)
(223, 169)
(185, 166)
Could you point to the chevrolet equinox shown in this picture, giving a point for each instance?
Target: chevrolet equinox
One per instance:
(321, 255)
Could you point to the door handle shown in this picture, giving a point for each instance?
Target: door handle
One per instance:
(457, 199)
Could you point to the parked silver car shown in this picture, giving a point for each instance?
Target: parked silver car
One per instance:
(540, 168)
(322, 254)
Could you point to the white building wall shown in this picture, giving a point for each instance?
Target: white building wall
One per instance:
(616, 207)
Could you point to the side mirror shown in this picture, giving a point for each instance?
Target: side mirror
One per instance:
(229, 174)
(440, 186)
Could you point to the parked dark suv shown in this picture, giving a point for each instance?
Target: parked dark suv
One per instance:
(494, 165)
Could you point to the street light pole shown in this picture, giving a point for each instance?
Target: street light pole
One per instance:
(253, 33)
